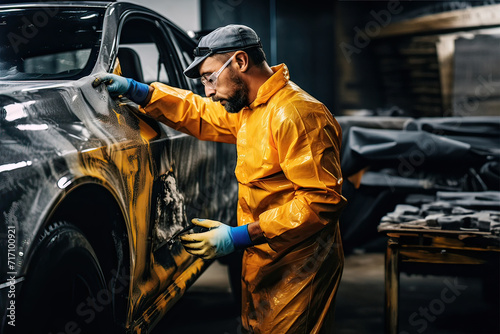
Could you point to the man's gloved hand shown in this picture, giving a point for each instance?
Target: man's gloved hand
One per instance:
(220, 240)
(117, 85)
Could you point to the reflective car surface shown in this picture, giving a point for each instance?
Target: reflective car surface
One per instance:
(91, 192)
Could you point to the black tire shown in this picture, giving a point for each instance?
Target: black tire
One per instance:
(64, 290)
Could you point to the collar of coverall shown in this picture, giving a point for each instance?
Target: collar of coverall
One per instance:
(277, 81)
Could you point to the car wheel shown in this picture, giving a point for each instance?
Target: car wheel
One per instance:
(64, 290)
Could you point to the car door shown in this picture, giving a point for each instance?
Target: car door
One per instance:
(182, 170)
(221, 188)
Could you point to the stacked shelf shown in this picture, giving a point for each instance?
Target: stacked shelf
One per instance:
(435, 65)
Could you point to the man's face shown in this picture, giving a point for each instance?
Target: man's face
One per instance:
(230, 90)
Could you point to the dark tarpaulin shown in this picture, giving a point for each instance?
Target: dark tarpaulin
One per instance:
(480, 131)
(422, 157)
(384, 148)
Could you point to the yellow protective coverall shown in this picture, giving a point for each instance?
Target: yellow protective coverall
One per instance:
(290, 181)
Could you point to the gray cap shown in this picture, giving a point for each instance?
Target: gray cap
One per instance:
(232, 37)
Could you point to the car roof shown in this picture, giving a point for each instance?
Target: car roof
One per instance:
(120, 6)
(91, 4)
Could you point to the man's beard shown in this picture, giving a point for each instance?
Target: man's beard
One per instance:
(239, 100)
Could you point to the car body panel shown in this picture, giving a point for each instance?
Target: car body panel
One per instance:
(60, 135)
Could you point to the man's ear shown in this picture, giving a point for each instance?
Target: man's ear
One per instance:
(241, 58)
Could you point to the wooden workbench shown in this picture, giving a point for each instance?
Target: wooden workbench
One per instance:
(431, 246)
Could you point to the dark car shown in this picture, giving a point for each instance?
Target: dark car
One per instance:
(91, 192)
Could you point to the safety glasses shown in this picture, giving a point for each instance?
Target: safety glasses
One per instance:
(210, 81)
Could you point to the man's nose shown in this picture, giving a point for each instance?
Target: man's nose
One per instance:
(209, 92)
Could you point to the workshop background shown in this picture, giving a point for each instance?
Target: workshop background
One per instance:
(415, 86)
(403, 62)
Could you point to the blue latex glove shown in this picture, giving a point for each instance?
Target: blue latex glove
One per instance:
(117, 85)
(220, 240)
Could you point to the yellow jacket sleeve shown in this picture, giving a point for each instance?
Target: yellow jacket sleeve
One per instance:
(308, 144)
(192, 114)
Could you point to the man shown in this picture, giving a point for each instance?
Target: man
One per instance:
(288, 171)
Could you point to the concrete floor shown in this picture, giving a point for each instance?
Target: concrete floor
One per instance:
(208, 306)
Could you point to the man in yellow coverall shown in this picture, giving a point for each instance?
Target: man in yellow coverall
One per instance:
(288, 171)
